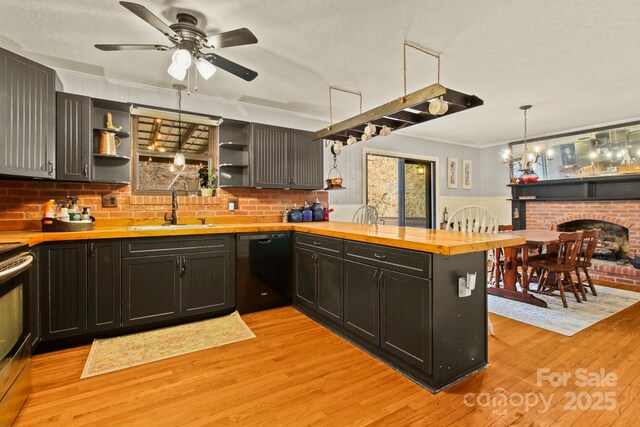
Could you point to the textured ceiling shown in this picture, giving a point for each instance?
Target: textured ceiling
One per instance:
(576, 61)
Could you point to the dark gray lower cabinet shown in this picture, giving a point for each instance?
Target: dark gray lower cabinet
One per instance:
(362, 300)
(103, 285)
(150, 289)
(206, 283)
(405, 317)
(319, 284)
(330, 287)
(63, 291)
(79, 288)
(305, 277)
(170, 278)
(34, 298)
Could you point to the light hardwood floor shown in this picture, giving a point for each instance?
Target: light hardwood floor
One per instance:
(296, 372)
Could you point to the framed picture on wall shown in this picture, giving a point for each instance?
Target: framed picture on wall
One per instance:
(452, 172)
(466, 175)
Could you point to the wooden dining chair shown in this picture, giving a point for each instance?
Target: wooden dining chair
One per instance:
(366, 214)
(474, 219)
(589, 243)
(556, 272)
(498, 256)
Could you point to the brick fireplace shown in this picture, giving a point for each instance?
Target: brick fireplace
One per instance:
(626, 214)
(611, 201)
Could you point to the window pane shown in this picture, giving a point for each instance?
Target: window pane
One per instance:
(416, 187)
(382, 187)
(160, 174)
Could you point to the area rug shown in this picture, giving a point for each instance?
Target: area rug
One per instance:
(113, 354)
(566, 321)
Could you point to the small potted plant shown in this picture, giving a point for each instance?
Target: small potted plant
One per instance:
(207, 181)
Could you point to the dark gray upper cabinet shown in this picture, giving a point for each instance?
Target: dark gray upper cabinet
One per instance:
(73, 137)
(27, 117)
(285, 158)
(63, 293)
(270, 156)
(306, 161)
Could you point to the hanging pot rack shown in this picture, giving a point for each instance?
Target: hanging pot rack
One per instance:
(406, 111)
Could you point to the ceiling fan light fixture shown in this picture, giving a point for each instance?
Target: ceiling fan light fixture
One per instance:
(205, 68)
(177, 72)
(181, 58)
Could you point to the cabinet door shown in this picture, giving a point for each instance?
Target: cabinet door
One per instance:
(270, 156)
(73, 137)
(405, 317)
(206, 282)
(104, 285)
(63, 270)
(361, 300)
(305, 277)
(307, 161)
(27, 117)
(150, 289)
(330, 288)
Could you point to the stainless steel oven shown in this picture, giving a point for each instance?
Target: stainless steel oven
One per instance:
(15, 340)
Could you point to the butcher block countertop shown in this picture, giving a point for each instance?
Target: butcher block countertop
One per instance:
(434, 241)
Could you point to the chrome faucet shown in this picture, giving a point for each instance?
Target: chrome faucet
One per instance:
(173, 219)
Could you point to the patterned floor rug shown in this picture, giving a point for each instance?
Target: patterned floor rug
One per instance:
(113, 354)
(566, 321)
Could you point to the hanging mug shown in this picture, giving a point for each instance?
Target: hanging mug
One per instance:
(108, 143)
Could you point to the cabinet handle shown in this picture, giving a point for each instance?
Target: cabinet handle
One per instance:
(316, 243)
(380, 257)
(375, 277)
(50, 167)
(91, 249)
(85, 171)
(183, 269)
(381, 279)
(315, 259)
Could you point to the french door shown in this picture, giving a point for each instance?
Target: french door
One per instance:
(401, 189)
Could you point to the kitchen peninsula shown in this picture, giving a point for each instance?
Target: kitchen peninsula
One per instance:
(392, 291)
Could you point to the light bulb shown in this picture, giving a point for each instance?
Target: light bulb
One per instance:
(536, 149)
(205, 68)
(370, 129)
(177, 72)
(550, 154)
(385, 131)
(593, 155)
(181, 58)
(179, 159)
(609, 154)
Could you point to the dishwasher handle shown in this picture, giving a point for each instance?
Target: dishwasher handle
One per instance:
(254, 237)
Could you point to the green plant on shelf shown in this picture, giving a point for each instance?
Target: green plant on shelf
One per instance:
(208, 180)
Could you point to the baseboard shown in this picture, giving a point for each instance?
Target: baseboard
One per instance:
(622, 286)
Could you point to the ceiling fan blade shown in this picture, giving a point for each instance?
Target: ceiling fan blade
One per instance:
(115, 47)
(150, 18)
(231, 67)
(238, 37)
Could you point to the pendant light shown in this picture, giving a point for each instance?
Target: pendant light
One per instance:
(179, 159)
(525, 164)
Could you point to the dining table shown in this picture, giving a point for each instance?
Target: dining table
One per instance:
(504, 283)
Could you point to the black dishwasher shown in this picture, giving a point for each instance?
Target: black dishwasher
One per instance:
(263, 271)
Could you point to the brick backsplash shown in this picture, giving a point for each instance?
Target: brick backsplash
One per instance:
(547, 215)
(24, 200)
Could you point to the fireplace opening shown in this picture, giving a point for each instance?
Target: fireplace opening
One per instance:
(614, 239)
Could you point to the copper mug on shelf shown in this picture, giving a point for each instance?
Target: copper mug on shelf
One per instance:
(108, 143)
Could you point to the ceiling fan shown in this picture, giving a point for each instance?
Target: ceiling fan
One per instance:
(189, 40)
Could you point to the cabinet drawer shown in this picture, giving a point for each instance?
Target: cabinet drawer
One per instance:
(169, 245)
(327, 245)
(401, 260)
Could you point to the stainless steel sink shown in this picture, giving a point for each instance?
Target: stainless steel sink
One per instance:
(170, 227)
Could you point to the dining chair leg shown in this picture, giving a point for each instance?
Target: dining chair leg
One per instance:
(572, 285)
(580, 285)
(490, 325)
(593, 288)
(562, 295)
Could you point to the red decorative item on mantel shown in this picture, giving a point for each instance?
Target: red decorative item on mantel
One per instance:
(528, 177)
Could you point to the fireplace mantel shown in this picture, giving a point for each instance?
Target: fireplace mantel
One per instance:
(587, 189)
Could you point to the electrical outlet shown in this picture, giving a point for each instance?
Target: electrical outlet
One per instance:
(109, 200)
(233, 204)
